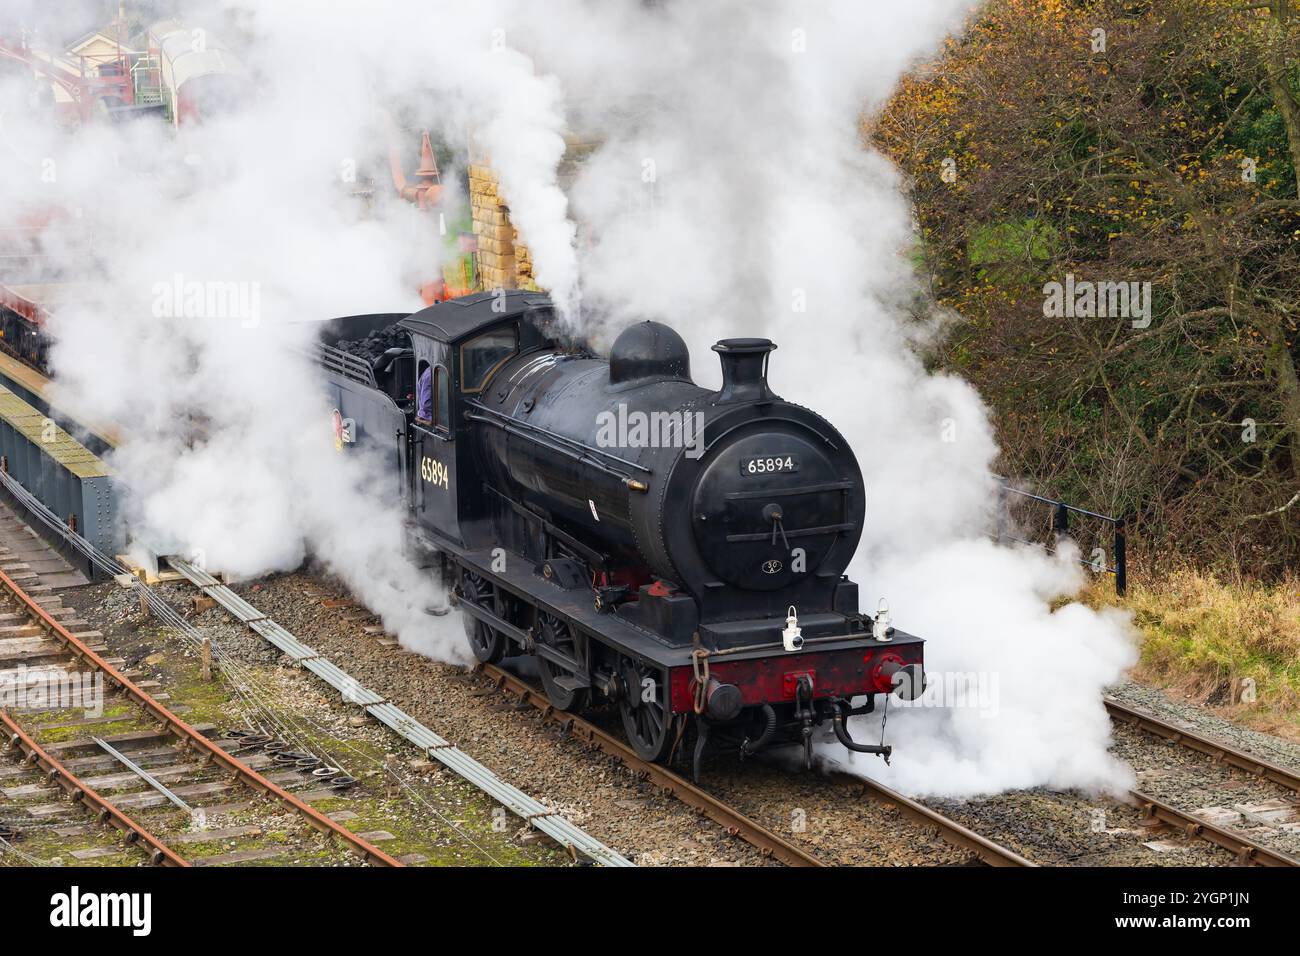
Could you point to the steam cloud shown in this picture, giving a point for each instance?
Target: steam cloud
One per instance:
(730, 194)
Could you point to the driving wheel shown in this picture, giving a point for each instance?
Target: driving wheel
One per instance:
(564, 689)
(487, 643)
(647, 720)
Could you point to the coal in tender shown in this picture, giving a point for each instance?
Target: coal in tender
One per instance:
(376, 343)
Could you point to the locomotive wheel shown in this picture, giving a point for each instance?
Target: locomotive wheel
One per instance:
(646, 718)
(553, 632)
(487, 643)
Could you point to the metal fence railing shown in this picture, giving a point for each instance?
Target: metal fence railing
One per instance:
(350, 366)
(1062, 527)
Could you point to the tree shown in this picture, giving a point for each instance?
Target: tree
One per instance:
(1125, 143)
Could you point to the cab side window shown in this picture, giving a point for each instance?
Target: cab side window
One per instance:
(441, 398)
(482, 356)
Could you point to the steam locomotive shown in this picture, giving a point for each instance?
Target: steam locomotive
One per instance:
(675, 551)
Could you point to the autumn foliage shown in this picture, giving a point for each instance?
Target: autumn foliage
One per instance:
(1137, 143)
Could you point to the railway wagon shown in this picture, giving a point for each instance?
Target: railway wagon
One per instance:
(670, 550)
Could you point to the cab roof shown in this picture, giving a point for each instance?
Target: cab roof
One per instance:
(456, 320)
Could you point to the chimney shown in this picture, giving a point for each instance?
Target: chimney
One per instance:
(744, 370)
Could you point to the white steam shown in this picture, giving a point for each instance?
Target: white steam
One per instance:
(766, 216)
(731, 194)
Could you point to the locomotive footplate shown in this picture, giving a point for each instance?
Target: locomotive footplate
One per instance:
(841, 654)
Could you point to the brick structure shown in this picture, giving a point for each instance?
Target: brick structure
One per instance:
(504, 262)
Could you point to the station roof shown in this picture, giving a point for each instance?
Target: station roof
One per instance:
(458, 319)
(178, 44)
(98, 43)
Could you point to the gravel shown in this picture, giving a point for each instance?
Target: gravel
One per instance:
(432, 817)
(1072, 829)
(596, 792)
(1278, 750)
(830, 820)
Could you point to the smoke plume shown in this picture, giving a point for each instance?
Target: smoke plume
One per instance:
(729, 192)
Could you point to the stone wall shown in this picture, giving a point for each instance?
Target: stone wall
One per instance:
(504, 261)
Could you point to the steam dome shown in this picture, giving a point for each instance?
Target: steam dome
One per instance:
(648, 350)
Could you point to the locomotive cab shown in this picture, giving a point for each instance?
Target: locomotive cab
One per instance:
(395, 375)
(462, 344)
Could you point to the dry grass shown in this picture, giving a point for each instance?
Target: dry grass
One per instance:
(1203, 635)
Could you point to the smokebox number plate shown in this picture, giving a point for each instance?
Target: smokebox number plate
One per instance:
(767, 465)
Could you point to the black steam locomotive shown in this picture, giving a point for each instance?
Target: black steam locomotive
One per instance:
(673, 550)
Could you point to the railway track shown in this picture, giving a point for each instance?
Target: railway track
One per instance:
(1247, 850)
(149, 765)
(435, 748)
(732, 820)
(55, 772)
(728, 817)
(1214, 749)
(983, 849)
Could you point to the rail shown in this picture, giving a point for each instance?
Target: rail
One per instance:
(195, 740)
(729, 818)
(431, 744)
(1215, 749)
(105, 809)
(993, 854)
(1247, 850)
